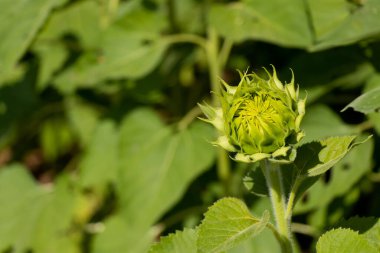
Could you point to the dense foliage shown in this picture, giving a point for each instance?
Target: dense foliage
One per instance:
(101, 150)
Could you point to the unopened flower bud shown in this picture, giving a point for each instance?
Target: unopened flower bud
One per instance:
(259, 118)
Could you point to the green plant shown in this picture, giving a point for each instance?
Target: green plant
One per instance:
(101, 149)
(259, 119)
(260, 122)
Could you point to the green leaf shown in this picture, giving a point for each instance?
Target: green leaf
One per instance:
(316, 158)
(226, 224)
(338, 68)
(83, 118)
(15, 39)
(366, 103)
(255, 19)
(255, 182)
(43, 214)
(129, 48)
(265, 242)
(343, 177)
(119, 236)
(321, 122)
(70, 20)
(100, 163)
(124, 56)
(155, 166)
(163, 162)
(51, 233)
(144, 22)
(344, 240)
(18, 193)
(189, 16)
(368, 227)
(373, 83)
(52, 57)
(339, 22)
(327, 16)
(181, 242)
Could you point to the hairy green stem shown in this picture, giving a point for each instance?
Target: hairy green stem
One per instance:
(291, 199)
(277, 195)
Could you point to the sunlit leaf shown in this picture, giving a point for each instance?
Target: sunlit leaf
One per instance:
(181, 242)
(119, 61)
(368, 227)
(343, 177)
(117, 235)
(51, 57)
(344, 240)
(72, 21)
(83, 118)
(317, 157)
(328, 152)
(226, 224)
(157, 165)
(129, 48)
(367, 102)
(340, 22)
(43, 214)
(254, 19)
(100, 163)
(19, 23)
(328, 15)
(265, 242)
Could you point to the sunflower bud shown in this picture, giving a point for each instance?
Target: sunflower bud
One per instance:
(259, 118)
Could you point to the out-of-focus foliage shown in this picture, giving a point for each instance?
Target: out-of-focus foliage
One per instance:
(101, 150)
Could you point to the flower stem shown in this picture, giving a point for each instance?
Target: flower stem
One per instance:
(216, 60)
(215, 68)
(277, 195)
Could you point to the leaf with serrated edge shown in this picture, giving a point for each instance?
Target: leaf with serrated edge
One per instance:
(181, 242)
(343, 177)
(321, 156)
(369, 227)
(227, 223)
(332, 150)
(344, 240)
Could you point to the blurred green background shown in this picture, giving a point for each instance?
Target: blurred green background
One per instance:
(101, 150)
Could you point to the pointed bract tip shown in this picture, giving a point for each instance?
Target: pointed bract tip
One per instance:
(275, 79)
